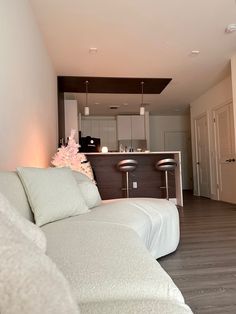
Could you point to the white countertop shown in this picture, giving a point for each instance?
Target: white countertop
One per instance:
(134, 153)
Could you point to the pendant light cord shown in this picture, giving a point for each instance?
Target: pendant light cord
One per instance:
(86, 84)
(142, 83)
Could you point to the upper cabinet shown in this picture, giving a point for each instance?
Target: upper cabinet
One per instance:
(131, 127)
(123, 127)
(101, 127)
(71, 118)
(138, 128)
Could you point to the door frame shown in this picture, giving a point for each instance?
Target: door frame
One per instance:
(204, 114)
(214, 109)
(188, 133)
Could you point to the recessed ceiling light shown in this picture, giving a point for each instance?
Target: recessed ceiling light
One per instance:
(93, 50)
(230, 28)
(195, 52)
(96, 103)
(125, 104)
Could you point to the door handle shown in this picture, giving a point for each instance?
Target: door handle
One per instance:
(229, 160)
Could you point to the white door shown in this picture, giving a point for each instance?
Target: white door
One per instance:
(180, 141)
(202, 156)
(225, 151)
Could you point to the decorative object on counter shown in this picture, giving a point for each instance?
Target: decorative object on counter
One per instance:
(127, 165)
(86, 108)
(142, 108)
(104, 149)
(166, 165)
(90, 144)
(69, 156)
(121, 148)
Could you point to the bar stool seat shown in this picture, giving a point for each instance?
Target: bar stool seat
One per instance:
(166, 165)
(127, 165)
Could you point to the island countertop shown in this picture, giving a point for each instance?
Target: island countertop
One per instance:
(149, 181)
(135, 153)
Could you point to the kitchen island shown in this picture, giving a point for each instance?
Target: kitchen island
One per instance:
(149, 181)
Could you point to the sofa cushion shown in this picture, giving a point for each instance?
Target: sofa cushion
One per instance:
(12, 188)
(107, 262)
(90, 194)
(86, 168)
(29, 229)
(150, 306)
(88, 189)
(29, 281)
(52, 193)
(156, 221)
(81, 177)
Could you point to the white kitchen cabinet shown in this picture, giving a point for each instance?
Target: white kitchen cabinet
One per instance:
(101, 127)
(137, 128)
(131, 127)
(124, 127)
(71, 118)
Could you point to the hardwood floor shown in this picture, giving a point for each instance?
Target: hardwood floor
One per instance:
(204, 265)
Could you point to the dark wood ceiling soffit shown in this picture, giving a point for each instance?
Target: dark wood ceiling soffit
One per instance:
(113, 85)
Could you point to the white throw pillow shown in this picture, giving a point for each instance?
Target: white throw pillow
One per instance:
(88, 189)
(52, 193)
(86, 168)
(30, 230)
(29, 281)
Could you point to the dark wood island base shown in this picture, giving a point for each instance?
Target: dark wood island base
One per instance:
(150, 182)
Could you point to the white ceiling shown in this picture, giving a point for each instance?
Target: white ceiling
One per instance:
(134, 38)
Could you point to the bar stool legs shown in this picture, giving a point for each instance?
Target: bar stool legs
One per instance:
(127, 165)
(127, 184)
(167, 186)
(166, 165)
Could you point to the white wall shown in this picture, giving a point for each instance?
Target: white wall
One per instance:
(161, 124)
(233, 78)
(28, 94)
(217, 95)
(176, 129)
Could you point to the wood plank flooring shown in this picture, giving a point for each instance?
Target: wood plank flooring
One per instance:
(204, 265)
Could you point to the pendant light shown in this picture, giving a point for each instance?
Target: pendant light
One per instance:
(142, 108)
(86, 108)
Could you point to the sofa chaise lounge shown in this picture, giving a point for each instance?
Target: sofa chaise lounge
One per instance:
(108, 255)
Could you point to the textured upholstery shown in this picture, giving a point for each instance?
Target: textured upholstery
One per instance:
(105, 254)
(11, 187)
(30, 283)
(147, 306)
(53, 193)
(110, 270)
(156, 221)
(28, 228)
(106, 262)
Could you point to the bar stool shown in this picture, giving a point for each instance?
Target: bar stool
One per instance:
(127, 165)
(166, 165)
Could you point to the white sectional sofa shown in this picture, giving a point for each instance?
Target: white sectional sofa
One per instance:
(108, 255)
